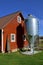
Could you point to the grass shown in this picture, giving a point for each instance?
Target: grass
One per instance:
(19, 59)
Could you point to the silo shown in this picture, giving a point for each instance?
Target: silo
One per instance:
(32, 30)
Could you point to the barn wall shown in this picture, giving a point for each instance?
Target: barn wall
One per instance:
(11, 27)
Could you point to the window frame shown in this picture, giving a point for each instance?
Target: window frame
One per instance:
(13, 40)
(18, 19)
(25, 37)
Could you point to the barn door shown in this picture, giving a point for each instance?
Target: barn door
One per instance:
(20, 32)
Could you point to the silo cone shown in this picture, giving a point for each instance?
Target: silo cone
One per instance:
(32, 30)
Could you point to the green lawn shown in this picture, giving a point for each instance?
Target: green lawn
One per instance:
(19, 59)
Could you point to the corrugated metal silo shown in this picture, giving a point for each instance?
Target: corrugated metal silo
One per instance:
(32, 30)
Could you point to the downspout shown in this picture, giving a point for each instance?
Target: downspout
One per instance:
(2, 42)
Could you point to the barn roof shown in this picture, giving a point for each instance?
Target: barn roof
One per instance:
(6, 19)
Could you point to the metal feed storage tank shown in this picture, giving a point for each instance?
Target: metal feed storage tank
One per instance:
(32, 30)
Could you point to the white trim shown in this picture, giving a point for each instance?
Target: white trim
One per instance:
(2, 41)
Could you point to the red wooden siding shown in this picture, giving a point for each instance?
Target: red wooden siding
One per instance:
(11, 27)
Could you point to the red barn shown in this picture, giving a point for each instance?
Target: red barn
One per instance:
(12, 32)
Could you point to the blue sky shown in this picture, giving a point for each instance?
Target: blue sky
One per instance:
(34, 7)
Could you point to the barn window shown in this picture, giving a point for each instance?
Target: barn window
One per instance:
(13, 37)
(19, 19)
(24, 37)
